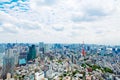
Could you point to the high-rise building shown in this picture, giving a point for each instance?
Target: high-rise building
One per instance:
(72, 58)
(32, 53)
(37, 51)
(48, 47)
(23, 58)
(16, 55)
(8, 63)
(41, 44)
(41, 47)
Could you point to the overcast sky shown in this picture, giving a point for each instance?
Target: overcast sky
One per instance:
(65, 21)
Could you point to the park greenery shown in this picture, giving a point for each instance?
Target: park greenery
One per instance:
(95, 67)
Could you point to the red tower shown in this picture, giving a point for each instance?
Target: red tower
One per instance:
(83, 50)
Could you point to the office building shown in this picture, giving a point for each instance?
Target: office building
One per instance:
(23, 58)
(32, 53)
(41, 47)
(8, 63)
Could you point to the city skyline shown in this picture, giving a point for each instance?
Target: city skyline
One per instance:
(51, 21)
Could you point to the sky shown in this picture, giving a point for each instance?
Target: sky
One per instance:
(60, 21)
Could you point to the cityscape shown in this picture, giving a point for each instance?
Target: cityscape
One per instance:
(43, 61)
(59, 39)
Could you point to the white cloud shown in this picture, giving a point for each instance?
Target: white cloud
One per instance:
(92, 21)
(4, 0)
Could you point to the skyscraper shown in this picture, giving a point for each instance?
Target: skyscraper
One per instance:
(37, 51)
(32, 53)
(8, 63)
(72, 58)
(23, 58)
(41, 44)
(16, 55)
(41, 47)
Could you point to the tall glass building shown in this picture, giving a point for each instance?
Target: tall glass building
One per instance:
(32, 53)
(23, 58)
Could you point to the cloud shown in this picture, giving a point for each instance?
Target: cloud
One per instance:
(85, 20)
(82, 19)
(48, 2)
(78, 28)
(14, 5)
(89, 14)
(99, 32)
(1, 29)
(95, 12)
(58, 27)
(4, 1)
(9, 28)
(29, 25)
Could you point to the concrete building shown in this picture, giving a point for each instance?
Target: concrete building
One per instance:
(8, 63)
